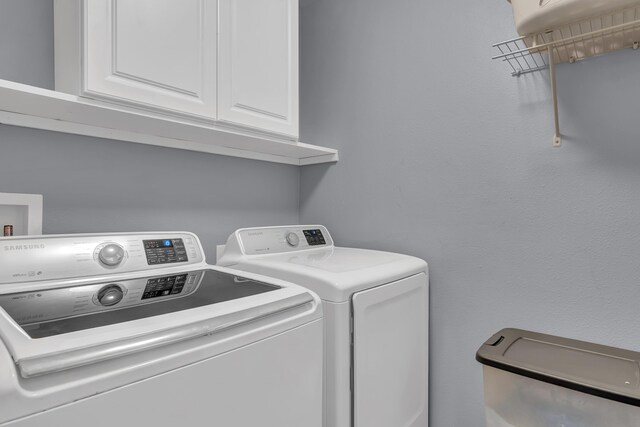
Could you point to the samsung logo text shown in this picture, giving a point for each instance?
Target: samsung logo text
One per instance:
(24, 247)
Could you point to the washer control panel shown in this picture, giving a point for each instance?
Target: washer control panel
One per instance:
(30, 259)
(270, 240)
(164, 251)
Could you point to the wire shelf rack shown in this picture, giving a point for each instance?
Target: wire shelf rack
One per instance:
(570, 43)
(520, 57)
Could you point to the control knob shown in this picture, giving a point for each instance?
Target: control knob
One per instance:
(111, 254)
(292, 239)
(110, 295)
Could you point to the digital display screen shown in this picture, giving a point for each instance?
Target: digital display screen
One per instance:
(164, 251)
(154, 244)
(314, 237)
(163, 286)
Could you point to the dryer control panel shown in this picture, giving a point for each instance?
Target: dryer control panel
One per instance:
(271, 240)
(31, 259)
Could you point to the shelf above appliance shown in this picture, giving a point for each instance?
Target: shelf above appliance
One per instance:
(33, 107)
(570, 43)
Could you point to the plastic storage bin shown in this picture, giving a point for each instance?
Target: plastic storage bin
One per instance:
(537, 380)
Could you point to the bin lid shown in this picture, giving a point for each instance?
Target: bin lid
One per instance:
(608, 372)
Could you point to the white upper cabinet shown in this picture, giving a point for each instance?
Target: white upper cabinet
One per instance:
(232, 63)
(154, 54)
(258, 64)
(213, 76)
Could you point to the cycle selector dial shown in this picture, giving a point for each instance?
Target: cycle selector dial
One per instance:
(110, 295)
(111, 254)
(292, 239)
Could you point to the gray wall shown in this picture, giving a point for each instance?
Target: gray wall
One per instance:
(446, 157)
(26, 42)
(95, 185)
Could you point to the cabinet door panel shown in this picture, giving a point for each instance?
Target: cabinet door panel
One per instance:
(391, 354)
(161, 53)
(258, 64)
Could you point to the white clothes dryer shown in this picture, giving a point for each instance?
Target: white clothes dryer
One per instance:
(376, 308)
(131, 329)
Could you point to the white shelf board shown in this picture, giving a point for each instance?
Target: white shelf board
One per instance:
(34, 107)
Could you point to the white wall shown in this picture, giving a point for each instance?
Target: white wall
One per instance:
(447, 157)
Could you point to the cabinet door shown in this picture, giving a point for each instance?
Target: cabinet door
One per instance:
(258, 64)
(160, 54)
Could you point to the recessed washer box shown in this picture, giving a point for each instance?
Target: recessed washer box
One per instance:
(22, 211)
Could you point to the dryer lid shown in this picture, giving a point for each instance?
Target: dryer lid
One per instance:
(335, 273)
(306, 255)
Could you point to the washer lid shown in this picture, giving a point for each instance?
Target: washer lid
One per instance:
(334, 273)
(152, 314)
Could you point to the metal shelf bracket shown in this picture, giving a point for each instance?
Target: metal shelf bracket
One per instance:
(557, 137)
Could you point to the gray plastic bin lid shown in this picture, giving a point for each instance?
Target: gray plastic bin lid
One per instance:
(607, 372)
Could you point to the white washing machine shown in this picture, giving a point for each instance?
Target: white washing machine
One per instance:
(137, 330)
(376, 307)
